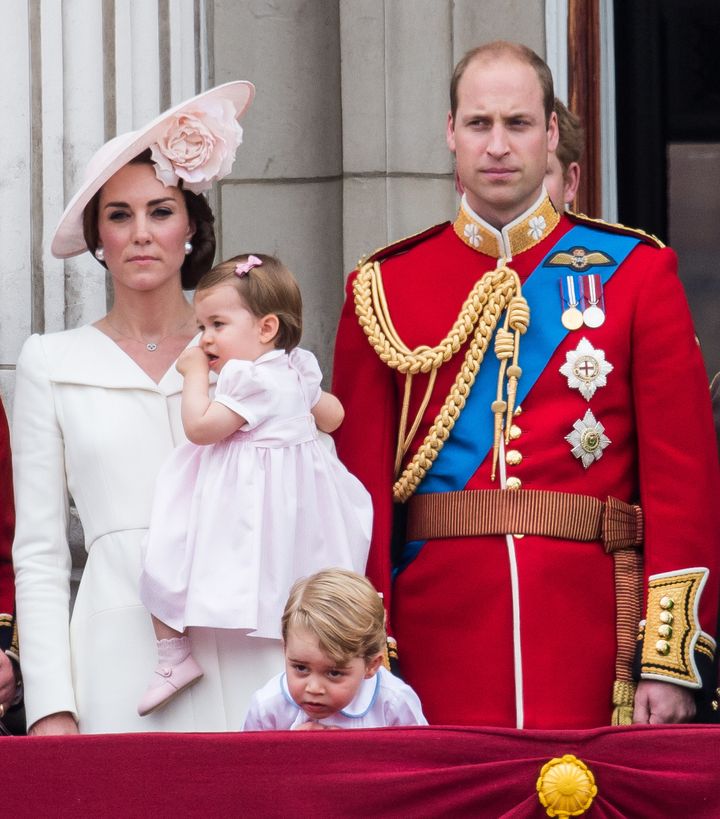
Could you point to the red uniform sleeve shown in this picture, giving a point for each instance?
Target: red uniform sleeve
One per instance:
(7, 530)
(677, 459)
(367, 437)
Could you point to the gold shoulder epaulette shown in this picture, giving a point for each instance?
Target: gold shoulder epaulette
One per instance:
(616, 227)
(401, 244)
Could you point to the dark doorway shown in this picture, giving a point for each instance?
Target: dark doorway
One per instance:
(668, 136)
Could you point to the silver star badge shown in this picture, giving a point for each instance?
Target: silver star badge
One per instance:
(586, 369)
(588, 439)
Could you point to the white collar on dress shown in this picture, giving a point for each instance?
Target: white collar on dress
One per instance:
(87, 356)
(269, 356)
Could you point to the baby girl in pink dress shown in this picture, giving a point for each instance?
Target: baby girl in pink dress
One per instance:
(255, 500)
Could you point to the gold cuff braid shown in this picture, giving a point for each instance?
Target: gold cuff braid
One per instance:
(672, 631)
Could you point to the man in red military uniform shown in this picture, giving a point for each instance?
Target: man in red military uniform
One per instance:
(8, 633)
(526, 403)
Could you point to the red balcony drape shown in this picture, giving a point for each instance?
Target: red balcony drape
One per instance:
(640, 771)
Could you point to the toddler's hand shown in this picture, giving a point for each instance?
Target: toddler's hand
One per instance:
(190, 359)
(315, 726)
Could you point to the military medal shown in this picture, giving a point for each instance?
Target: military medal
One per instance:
(592, 291)
(586, 369)
(571, 318)
(588, 439)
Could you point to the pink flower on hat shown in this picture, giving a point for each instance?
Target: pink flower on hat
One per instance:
(198, 146)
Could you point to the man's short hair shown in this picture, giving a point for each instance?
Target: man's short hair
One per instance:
(503, 48)
(571, 142)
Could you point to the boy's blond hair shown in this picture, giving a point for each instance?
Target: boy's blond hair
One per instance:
(342, 609)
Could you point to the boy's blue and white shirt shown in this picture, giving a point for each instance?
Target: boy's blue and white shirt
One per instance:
(381, 701)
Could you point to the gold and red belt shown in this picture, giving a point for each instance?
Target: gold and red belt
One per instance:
(562, 515)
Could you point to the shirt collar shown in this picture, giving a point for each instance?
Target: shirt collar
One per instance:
(524, 232)
(364, 699)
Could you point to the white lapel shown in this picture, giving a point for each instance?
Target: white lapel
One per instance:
(87, 356)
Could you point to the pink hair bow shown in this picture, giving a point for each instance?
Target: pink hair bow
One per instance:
(243, 268)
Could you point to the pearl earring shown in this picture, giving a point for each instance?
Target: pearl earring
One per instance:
(100, 254)
(188, 248)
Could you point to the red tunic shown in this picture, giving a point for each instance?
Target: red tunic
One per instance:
(551, 664)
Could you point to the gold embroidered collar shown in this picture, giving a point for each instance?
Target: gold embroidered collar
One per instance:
(521, 234)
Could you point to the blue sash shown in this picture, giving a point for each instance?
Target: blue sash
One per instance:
(472, 436)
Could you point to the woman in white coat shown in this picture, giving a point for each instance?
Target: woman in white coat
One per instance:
(97, 410)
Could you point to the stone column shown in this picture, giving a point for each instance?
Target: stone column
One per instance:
(82, 71)
(285, 193)
(397, 59)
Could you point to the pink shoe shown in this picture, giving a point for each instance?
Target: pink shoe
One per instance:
(169, 680)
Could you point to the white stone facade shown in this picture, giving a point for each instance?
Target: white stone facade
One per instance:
(344, 145)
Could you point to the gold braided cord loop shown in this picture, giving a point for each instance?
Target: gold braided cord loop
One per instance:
(519, 315)
(518, 318)
(507, 346)
(406, 438)
(371, 309)
(504, 344)
(478, 319)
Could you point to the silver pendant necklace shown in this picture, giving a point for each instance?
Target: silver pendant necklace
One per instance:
(150, 346)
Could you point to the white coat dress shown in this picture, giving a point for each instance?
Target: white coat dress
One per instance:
(88, 422)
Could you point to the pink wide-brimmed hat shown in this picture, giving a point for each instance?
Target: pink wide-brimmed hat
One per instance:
(195, 141)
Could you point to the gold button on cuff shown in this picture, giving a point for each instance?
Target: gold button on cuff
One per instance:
(666, 617)
(513, 457)
(665, 632)
(519, 536)
(666, 602)
(714, 705)
(662, 647)
(515, 432)
(518, 410)
(513, 483)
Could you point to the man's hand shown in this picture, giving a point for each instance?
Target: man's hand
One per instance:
(657, 703)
